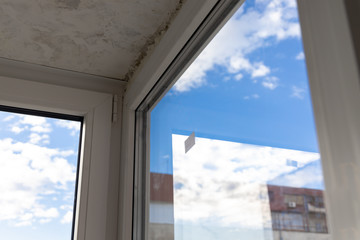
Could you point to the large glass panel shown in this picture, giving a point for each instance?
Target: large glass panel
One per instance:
(234, 153)
(38, 171)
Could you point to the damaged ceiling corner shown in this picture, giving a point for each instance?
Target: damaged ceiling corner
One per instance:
(152, 41)
(102, 38)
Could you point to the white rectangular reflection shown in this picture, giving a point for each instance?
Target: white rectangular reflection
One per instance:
(221, 187)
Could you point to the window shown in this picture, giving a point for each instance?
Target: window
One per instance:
(309, 24)
(243, 112)
(298, 200)
(38, 178)
(94, 169)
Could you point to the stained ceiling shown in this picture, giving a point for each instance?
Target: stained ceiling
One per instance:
(100, 37)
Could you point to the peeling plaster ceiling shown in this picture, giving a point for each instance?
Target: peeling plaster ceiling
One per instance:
(99, 37)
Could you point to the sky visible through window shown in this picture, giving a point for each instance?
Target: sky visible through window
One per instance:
(249, 85)
(38, 163)
(246, 98)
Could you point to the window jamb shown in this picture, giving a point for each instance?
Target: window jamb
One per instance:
(91, 209)
(335, 82)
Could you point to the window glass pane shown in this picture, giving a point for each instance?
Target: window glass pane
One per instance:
(38, 171)
(234, 153)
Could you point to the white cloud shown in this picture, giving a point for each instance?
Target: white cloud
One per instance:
(67, 153)
(27, 173)
(298, 92)
(8, 118)
(256, 69)
(300, 56)
(35, 124)
(270, 82)
(194, 76)
(253, 96)
(238, 77)
(238, 63)
(17, 129)
(223, 183)
(272, 21)
(260, 70)
(33, 120)
(68, 217)
(66, 207)
(309, 176)
(71, 125)
(41, 129)
(37, 139)
(23, 224)
(46, 213)
(45, 220)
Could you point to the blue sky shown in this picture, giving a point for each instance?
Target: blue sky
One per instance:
(247, 99)
(37, 176)
(249, 85)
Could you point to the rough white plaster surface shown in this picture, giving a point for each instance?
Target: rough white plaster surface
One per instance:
(100, 37)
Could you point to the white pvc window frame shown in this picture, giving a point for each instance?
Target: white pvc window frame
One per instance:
(334, 82)
(335, 88)
(96, 108)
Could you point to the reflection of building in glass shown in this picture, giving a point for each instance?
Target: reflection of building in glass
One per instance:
(161, 211)
(296, 213)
